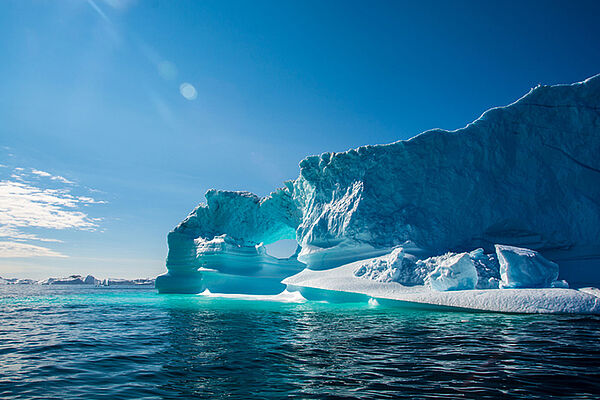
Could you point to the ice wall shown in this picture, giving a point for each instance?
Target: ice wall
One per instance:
(527, 174)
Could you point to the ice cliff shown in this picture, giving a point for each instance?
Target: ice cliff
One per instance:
(525, 175)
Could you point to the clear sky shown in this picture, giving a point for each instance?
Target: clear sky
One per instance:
(117, 116)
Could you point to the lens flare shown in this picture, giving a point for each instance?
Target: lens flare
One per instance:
(188, 91)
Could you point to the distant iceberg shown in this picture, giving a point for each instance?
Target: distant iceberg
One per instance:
(523, 176)
(16, 281)
(70, 280)
(127, 282)
(79, 280)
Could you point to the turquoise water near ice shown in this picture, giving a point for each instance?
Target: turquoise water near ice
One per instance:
(131, 343)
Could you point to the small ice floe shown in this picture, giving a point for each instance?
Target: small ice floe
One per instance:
(283, 297)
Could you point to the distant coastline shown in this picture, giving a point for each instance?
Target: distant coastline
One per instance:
(79, 280)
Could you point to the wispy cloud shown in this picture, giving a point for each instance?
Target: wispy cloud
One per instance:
(45, 174)
(40, 173)
(16, 234)
(26, 203)
(61, 179)
(18, 250)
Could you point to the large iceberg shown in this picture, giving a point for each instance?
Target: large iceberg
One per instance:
(524, 175)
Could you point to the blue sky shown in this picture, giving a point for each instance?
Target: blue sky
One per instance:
(117, 116)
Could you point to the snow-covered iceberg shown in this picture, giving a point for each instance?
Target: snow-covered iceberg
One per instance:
(341, 285)
(524, 175)
(450, 280)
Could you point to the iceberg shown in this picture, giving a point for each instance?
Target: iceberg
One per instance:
(70, 280)
(16, 281)
(79, 280)
(451, 271)
(525, 175)
(125, 282)
(90, 280)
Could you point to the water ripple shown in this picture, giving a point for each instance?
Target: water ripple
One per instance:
(93, 343)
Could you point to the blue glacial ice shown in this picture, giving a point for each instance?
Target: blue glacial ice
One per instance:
(220, 246)
(524, 268)
(526, 175)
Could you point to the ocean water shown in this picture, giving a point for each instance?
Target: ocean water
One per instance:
(131, 343)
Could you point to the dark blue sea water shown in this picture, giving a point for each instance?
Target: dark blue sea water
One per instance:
(105, 343)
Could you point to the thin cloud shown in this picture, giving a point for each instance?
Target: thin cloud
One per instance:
(25, 205)
(62, 179)
(25, 250)
(45, 174)
(16, 234)
(40, 173)
(88, 200)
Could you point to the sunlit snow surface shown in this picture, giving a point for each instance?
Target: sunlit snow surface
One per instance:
(325, 284)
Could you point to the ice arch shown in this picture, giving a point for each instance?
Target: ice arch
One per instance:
(220, 245)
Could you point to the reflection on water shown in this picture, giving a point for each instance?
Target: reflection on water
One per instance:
(85, 343)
